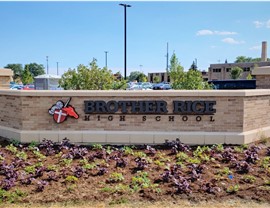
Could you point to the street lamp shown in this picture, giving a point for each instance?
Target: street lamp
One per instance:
(57, 67)
(47, 64)
(106, 52)
(125, 37)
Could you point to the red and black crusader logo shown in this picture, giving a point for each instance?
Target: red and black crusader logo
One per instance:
(60, 111)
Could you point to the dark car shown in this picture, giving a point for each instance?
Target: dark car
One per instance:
(162, 86)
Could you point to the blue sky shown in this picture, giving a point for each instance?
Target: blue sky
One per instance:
(72, 33)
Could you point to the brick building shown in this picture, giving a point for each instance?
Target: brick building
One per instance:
(222, 71)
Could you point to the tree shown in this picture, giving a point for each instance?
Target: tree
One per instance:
(193, 66)
(191, 80)
(236, 72)
(27, 77)
(242, 59)
(120, 84)
(17, 70)
(156, 79)
(249, 76)
(35, 69)
(142, 78)
(137, 76)
(176, 73)
(87, 78)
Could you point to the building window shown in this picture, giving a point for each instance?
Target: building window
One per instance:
(246, 69)
(169, 79)
(217, 70)
(162, 77)
(228, 69)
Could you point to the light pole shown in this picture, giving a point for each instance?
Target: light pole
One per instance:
(57, 67)
(141, 68)
(125, 37)
(47, 64)
(106, 52)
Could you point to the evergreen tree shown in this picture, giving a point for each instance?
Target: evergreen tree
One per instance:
(27, 77)
(193, 66)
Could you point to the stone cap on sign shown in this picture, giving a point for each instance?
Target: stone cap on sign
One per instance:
(6, 72)
(264, 70)
(148, 93)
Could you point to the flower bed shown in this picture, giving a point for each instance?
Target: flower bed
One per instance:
(50, 172)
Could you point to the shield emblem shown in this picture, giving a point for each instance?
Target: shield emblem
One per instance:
(59, 115)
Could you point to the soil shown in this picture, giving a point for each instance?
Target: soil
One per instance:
(90, 173)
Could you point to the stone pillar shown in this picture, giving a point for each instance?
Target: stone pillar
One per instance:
(264, 51)
(5, 78)
(262, 77)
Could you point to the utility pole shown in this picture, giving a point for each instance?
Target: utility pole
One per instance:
(125, 37)
(57, 67)
(167, 58)
(141, 68)
(47, 64)
(106, 65)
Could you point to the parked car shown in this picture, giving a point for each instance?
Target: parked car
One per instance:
(147, 86)
(16, 87)
(162, 86)
(28, 87)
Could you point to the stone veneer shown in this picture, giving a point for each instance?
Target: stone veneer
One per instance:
(242, 116)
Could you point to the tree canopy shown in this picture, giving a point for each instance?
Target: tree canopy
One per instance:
(17, 70)
(137, 76)
(87, 78)
(35, 69)
(243, 59)
(23, 73)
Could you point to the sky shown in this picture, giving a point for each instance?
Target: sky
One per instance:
(73, 33)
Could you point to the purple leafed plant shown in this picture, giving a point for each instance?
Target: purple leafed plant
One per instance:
(251, 157)
(175, 170)
(26, 179)
(177, 146)
(243, 167)
(100, 154)
(210, 188)
(8, 171)
(48, 147)
(7, 184)
(41, 185)
(102, 171)
(121, 163)
(39, 171)
(166, 176)
(254, 148)
(52, 176)
(268, 151)
(228, 155)
(65, 144)
(182, 186)
(151, 150)
(78, 172)
(141, 163)
(78, 152)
